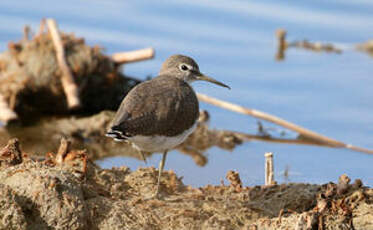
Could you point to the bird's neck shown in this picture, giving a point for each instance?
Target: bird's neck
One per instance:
(186, 79)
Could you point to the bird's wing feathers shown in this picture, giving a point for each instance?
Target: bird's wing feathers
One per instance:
(146, 111)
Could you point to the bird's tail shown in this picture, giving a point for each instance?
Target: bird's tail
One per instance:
(115, 133)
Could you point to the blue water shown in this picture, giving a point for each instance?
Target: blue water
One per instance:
(234, 42)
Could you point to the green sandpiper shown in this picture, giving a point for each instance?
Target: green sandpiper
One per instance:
(159, 114)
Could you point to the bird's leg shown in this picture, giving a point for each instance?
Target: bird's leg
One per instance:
(160, 170)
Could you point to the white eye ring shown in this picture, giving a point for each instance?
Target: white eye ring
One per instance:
(184, 67)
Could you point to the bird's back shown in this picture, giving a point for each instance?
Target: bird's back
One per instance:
(164, 106)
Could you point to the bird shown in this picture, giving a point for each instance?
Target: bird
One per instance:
(159, 114)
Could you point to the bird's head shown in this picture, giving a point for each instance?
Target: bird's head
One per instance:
(186, 69)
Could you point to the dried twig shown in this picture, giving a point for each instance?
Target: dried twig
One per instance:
(250, 137)
(304, 133)
(41, 28)
(67, 79)
(366, 47)
(26, 33)
(315, 46)
(133, 56)
(63, 150)
(282, 45)
(6, 113)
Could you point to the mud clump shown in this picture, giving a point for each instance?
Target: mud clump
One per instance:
(56, 193)
(11, 212)
(30, 77)
(11, 153)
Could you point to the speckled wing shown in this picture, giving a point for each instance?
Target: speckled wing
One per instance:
(162, 106)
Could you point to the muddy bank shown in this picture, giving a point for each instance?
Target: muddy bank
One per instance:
(68, 191)
(89, 133)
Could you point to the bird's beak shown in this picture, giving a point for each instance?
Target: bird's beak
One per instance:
(203, 77)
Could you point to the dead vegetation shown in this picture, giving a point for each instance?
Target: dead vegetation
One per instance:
(33, 84)
(283, 45)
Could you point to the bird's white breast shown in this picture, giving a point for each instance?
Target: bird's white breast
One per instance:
(159, 143)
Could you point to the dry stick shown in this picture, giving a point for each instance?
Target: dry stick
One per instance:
(270, 118)
(67, 79)
(63, 150)
(6, 113)
(133, 56)
(41, 28)
(264, 116)
(26, 33)
(282, 44)
(269, 174)
(250, 137)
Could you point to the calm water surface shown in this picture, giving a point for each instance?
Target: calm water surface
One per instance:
(233, 41)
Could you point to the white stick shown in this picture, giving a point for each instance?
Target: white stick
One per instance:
(6, 113)
(133, 56)
(269, 174)
(67, 79)
(305, 133)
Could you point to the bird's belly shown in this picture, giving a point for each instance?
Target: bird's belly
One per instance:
(159, 143)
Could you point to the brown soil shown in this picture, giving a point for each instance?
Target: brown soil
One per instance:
(67, 191)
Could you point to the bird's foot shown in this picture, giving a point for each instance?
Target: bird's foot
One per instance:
(155, 196)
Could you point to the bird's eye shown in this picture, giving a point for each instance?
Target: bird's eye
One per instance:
(184, 67)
